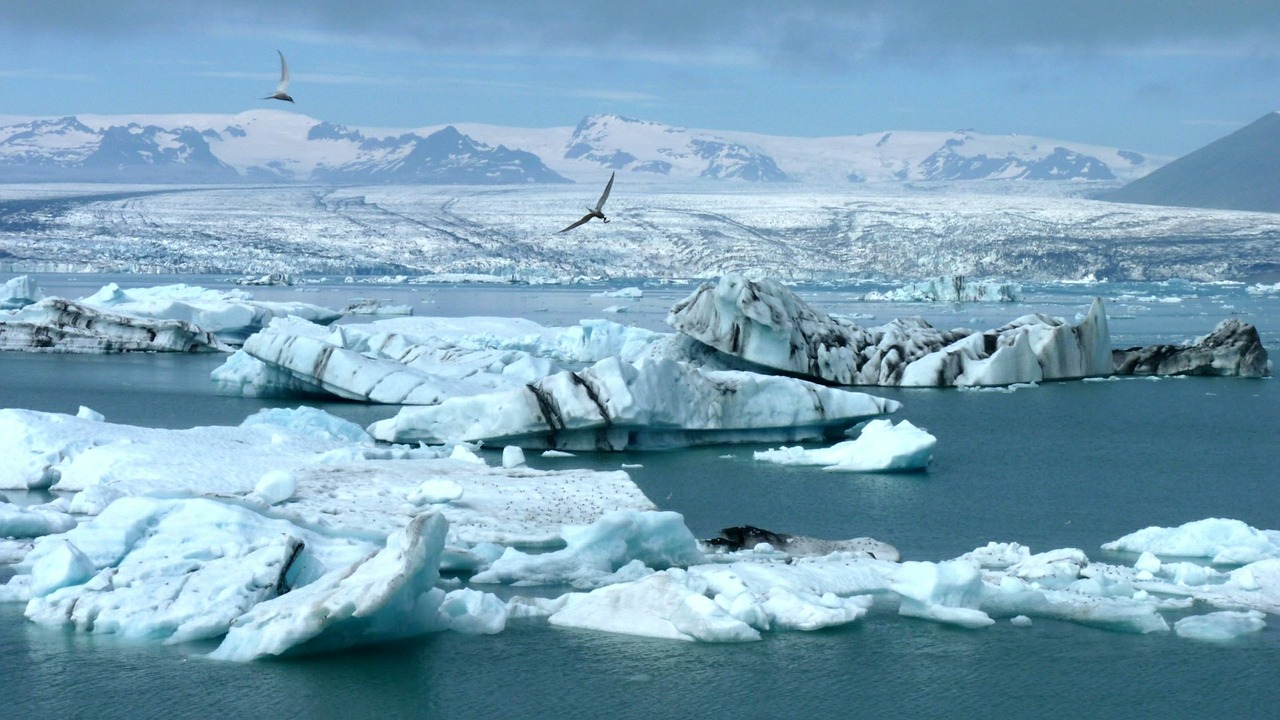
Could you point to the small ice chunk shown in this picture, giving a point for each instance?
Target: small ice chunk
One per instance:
(275, 486)
(465, 454)
(473, 612)
(90, 414)
(556, 454)
(512, 456)
(1147, 562)
(1220, 626)
(431, 492)
(1020, 621)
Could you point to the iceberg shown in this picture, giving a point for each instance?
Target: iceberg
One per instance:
(593, 553)
(69, 453)
(1223, 541)
(230, 315)
(669, 605)
(369, 306)
(388, 596)
(19, 292)
(1220, 626)
(614, 405)
(951, 289)
(764, 323)
(173, 570)
(417, 361)
(64, 326)
(1233, 348)
(880, 447)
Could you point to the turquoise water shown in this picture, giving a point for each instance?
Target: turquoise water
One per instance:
(1060, 465)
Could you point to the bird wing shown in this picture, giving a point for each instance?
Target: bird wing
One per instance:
(585, 218)
(284, 75)
(605, 196)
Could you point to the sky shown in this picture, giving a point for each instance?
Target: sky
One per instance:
(1156, 76)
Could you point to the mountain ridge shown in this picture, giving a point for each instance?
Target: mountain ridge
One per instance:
(282, 146)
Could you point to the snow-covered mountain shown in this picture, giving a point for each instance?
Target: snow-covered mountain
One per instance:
(281, 146)
(268, 146)
(67, 149)
(650, 150)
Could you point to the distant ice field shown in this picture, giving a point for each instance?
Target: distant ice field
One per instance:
(799, 232)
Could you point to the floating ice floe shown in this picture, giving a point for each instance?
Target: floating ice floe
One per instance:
(43, 450)
(417, 361)
(1224, 541)
(19, 292)
(268, 279)
(353, 551)
(626, 292)
(614, 405)
(390, 595)
(880, 447)
(1233, 348)
(1221, 626)
(953, 289)
(231, 315)
(763, 542)
(369, 306)
(764, 323)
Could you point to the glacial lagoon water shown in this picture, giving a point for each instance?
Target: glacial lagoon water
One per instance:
(1060, 465)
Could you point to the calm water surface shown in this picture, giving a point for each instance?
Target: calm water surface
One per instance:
(1061, 465)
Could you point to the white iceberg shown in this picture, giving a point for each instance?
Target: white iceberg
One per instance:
(174, 570)
(614, 405)
(1220, 626)
(880, 447)
(231, 315)
(1224, 541)
(670, 605)
(70, 453)
(592, 553)
(387, 596)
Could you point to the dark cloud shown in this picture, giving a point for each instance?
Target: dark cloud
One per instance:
(820, 33)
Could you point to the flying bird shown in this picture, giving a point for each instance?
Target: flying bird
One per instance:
(282, 89)
(595, 212)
